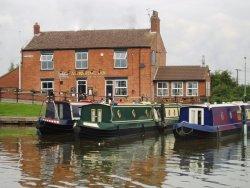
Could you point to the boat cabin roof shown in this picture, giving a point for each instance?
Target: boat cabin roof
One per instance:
(208, 105)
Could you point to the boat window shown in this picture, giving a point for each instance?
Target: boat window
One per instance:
(230, 115)
(99, 115)
(93, 116)
(247, 113)
(146, 113)
(50, 110)
(60, 110)
(76, 111)
(222, 116)
(239, 114)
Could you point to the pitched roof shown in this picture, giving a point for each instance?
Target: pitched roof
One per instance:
(115, 38)
(179, 73)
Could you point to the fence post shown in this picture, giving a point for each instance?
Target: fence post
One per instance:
(17, 94)
(0, 94)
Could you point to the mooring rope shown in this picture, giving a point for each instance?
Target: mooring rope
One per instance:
(182, 132)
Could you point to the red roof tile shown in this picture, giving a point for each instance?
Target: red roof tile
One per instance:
(116, 38)
(181, 73)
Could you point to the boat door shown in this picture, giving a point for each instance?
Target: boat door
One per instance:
(81, 88)
(196, 116)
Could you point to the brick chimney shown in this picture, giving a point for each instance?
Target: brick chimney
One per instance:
(36, 28)
(155, 22)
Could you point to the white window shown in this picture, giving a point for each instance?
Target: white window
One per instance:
(47, 61)
(81, 60)
(47, 86)
(121, 88)
(208, 89)
(192, 88)
(120, 59)
(153, 57)
(177, 89)
(162, 89)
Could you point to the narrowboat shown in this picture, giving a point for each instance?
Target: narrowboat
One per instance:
(103, 120)
(211, 121)
(58, 117)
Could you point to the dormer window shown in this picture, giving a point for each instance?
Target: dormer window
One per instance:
(81, 60)
(46, 60)
(120, 59)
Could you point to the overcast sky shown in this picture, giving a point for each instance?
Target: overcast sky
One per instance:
(218, 29)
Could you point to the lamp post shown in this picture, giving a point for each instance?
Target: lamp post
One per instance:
(245, 87)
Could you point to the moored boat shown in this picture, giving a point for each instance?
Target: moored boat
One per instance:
(102, 120)
(211, 121)
(58, 117)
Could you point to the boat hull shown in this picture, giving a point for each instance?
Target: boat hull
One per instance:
(191, 131)
(45, 128)
(95, 133)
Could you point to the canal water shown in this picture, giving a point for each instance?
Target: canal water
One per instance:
(159, 161)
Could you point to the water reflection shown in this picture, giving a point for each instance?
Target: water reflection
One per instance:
(131, 162)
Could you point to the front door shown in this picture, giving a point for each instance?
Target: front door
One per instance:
(81, 86)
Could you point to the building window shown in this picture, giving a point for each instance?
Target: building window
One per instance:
(47, 61)
(120, 59)
(153, 57)
(81, 60)
(208, 89)
(116, 88)
(192, 88)
(162, 89)
(121, 88)
(177, 89)
(47, 86)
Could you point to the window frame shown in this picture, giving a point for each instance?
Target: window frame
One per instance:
(187, 88)
(119, 80)
(167, 89)
(87, 64)
(114, 86)
(172, 88)
(46, 90)
(126, 58)
(47, 61)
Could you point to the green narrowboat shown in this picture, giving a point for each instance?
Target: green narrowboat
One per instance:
(102, 120)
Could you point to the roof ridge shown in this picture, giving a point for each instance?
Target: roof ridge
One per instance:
(93, 30)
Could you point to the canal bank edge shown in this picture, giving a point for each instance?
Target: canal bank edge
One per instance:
(17, 121)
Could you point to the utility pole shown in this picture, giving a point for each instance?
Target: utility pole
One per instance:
(237, 77)
(245, 87)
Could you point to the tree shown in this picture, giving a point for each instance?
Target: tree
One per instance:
(225, 89)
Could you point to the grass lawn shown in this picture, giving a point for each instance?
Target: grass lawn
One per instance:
(17, 132)
(19, 109)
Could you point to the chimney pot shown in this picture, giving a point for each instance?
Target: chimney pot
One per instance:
(155, 22)
(36, 28)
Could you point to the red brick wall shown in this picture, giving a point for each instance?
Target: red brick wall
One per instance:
(139, 79)
(201, 92)
(10, 79)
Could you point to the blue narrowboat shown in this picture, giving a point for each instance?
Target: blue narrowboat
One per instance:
(58, 117)
(216, 120)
